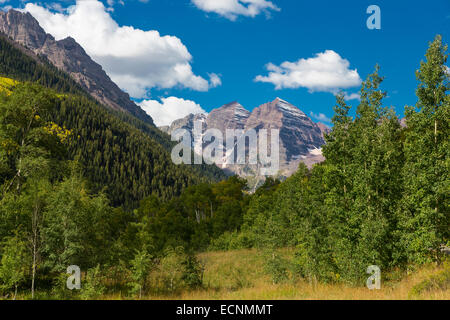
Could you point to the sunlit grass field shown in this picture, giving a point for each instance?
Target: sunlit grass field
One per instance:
(240, 275)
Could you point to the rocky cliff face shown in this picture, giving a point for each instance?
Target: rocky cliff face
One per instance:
(188, 124)
(300, 138)
(70, 57)
(185, 123)
(324, 129)
(298, 133)
(229, 116)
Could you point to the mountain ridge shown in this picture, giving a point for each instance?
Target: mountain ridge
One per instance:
(300, 137)
(67, 55)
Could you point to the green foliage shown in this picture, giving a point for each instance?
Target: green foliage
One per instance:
(180, 270)
(93, 286)
(124, 162)
(276, 266)
(381, 196)
(201, 214)
(27, 147)
(76, 227)
(233, 241)
(371, 185)
(192, 273)
(140, 269)
(104, 192)
(424, 210)
(14, 263)
(20, 66)
(59, 289)
(123, 156)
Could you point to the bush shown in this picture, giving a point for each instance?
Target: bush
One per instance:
(140, 266)
(179, 270)
(440, 281)
(13, 264)
(59, 288)
(93, 286)
(232, 241)
(277, 267)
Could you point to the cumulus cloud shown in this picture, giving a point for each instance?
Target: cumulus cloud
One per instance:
(135, 59)
(326, 72)
(170, 109)
(320, 117)
(352, 96)
(231, 9)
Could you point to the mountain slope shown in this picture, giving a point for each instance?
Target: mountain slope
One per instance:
(69, 56)
(122, 155)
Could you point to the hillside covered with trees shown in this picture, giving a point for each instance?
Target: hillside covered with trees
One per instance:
(119, 152)
(81, 186)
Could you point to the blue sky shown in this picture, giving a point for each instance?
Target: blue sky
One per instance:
(236, 47)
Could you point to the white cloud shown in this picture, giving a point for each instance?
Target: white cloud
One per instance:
(112, 3)
(352, 96)
(215, 80)
(326, 72)
(320, 117)
(170, 109)
(135, 59)
(6, 8)
(55, 6)
(231, 9)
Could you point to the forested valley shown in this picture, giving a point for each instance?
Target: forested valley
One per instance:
(82, 185)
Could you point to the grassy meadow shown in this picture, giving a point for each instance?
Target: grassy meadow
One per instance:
(241, 275)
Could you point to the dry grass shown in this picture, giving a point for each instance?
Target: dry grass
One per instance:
(239, 275)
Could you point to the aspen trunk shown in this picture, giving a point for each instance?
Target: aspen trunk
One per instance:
(34, 243)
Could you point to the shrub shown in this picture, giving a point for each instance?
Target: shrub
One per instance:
(93, 286)
(440, 281)
(180, 270)
(277, 267)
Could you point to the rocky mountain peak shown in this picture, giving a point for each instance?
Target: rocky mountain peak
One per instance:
(298, 133)
(70, 57)
(188, 121)
(23, 28)
(300, 138)
(232, 104)
(229, 116)
(287, 108)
